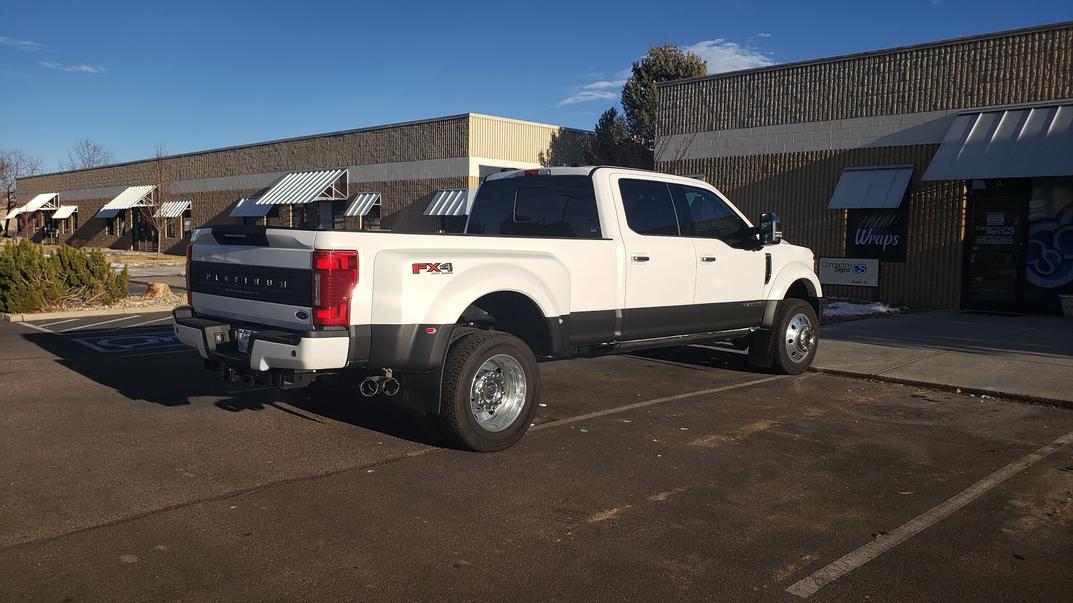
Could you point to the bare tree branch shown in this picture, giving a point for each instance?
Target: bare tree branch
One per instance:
(15, 164)
(86, 154)
(162, 177)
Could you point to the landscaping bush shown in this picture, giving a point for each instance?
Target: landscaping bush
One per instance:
(31, 281)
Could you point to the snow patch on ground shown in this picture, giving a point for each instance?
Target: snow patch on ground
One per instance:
(848, 308)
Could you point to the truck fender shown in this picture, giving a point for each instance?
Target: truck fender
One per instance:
(495, 277)
(787, 276)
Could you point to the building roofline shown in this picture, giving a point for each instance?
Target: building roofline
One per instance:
(306, 137)
(871, 53)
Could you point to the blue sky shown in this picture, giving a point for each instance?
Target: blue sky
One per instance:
(196, 75)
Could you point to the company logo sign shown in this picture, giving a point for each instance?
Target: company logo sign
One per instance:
(432, 268)
(848, 271)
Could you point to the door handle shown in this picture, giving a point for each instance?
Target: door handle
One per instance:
(707, 258)
(640, 258)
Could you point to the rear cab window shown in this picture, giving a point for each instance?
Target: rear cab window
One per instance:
(536, 206)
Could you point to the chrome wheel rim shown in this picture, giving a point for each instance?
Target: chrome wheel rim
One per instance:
(497, 393)
(800, 338)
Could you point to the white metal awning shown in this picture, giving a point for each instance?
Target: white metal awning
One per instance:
(64, 211)
(449, 202)
(1015, 143)
(133, 196)
(362, 204)
(297, 188)
(172, 209)
(45, 201)
(873, 187)
(13, 214)
(305, 187)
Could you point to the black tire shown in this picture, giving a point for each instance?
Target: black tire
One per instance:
(465, 358)
(788, 358)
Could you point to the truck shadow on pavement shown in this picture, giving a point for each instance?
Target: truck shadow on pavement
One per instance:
(177, 377)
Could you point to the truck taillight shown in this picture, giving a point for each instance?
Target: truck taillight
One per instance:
(335, 274)
(189, 259)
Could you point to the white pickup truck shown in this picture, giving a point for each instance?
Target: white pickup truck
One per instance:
(554, 263)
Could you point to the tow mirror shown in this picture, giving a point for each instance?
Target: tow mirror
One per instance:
(770, 229)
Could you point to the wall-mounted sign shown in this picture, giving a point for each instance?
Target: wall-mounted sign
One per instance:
(849, 271)
(879, 234)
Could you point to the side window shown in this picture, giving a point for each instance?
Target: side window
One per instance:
(649, 207)
(556, 211)
(710, 217)
(536, 206)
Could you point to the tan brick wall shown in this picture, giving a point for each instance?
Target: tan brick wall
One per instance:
(1015, 67)
(798, 186)
(514, 140)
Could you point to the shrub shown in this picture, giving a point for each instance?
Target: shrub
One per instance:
(30, 280)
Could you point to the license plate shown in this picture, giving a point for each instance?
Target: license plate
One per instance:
(242, 338)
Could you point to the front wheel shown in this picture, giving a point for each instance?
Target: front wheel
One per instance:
(795, 336)
(490, 387)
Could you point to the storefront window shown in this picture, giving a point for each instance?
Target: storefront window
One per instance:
(1049, 255)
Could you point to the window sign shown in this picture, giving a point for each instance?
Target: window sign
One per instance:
(878, 234)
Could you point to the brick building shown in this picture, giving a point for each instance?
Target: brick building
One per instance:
(946, 166)
(396, 169)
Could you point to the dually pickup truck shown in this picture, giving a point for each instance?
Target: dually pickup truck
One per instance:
(553, 263)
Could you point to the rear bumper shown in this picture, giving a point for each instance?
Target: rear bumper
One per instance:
(269, 349)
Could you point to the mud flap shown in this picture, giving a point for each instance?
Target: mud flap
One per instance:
(761, 354)
(420, 391)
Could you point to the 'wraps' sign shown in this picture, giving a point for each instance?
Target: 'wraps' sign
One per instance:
(879, 234)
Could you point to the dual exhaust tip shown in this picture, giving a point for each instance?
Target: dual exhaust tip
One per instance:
(370, 386)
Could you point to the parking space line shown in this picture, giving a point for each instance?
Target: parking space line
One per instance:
(644, 403)
(39, 328)
(58, 322)
(808, 586)
(147, 322)
(184, 347)
(103, 322)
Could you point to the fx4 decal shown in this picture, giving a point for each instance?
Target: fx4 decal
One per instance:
(433, 268)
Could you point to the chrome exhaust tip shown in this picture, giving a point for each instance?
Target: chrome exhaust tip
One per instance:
(390, 387)
(369, 387)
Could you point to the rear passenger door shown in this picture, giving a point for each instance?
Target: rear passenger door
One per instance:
(731, 266)
(659, 262)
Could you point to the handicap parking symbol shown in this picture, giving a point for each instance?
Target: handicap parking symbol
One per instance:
(130, 341)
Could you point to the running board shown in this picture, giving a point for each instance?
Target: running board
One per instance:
(659, 342)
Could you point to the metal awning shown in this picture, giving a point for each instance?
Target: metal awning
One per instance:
(13, 214)
(133, 196)
(362, 204)
(249, 208)
(1015, 143)
(449, 202)
(172, 209)
(871, 187)
(64, 211)
(297, 188)
(305, 187)
(45, 201)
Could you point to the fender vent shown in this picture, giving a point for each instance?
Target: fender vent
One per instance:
(767, 268)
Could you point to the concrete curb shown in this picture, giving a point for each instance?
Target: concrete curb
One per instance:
(1011, 396)
(5, 317)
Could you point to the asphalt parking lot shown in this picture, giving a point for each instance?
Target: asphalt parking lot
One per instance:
(128, 472)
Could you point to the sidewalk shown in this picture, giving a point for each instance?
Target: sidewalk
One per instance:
(1019, 357)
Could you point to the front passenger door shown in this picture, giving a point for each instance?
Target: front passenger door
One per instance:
(731, 265)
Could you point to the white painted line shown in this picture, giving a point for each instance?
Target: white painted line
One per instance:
(103, 322)
(147, 322)
(91, 346)
(644, 403)
(58, 322)
(185, 349)
(33, 326)
(840, 567)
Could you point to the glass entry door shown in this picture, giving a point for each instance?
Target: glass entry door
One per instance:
(995, 249)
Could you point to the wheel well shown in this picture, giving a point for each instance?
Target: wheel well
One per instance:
(802, 289)
(512, 313)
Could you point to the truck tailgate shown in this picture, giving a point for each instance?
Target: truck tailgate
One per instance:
(253, 274)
